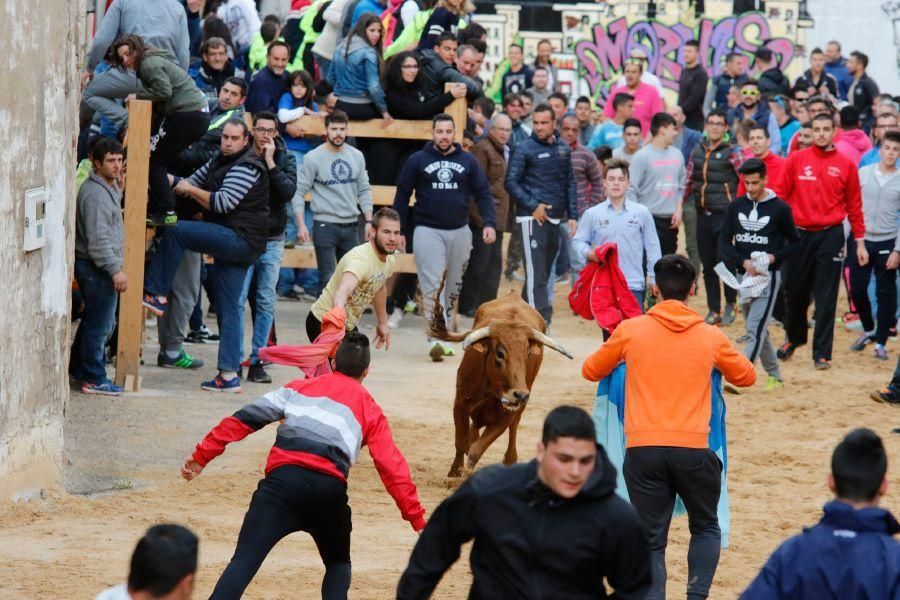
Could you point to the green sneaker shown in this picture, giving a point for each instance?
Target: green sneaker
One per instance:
(166, 219)
(448, 350)
(184, 361)
(773, 383)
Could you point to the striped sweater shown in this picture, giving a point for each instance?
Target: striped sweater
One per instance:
(326, 421)
(237, 184)
(589, 187)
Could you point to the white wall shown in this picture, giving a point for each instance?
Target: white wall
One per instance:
(864, 25)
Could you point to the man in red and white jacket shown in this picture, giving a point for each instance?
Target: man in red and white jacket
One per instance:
(326, 420)
(821, 185)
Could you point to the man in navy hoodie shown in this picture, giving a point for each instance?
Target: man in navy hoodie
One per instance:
(851, 553)
(443, 178)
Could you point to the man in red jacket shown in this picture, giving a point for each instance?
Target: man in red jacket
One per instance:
(326, 420)
(822, 187)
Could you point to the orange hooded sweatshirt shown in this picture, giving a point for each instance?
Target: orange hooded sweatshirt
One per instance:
(670, 354)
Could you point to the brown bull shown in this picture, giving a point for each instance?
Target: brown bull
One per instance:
(503, 354)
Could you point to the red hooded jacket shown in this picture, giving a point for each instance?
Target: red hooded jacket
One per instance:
(601, 292)
(822, 188)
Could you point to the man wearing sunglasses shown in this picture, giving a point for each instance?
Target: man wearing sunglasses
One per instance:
(751, 107)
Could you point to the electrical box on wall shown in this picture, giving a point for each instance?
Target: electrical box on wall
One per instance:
(35, 211)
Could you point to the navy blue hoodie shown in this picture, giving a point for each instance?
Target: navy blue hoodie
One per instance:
(849, 554)
(443, 184)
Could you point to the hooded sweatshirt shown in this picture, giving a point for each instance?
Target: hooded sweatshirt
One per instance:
(822, 188)
(443, 184)
(851, 553)
(669, 400)
(532, 544)
(854, 144)
(764, 226)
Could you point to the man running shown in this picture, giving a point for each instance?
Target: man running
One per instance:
(443, 178)
(326, 420)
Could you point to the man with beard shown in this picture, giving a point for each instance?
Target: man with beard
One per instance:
(752, 108)
(335, 174)
(443, 178)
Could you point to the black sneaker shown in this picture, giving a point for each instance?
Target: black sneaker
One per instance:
(257, 374)
(822, 364)
(166, 219)
(886, 396)
(786, 351)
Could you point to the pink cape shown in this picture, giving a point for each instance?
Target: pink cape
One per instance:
(313, 359)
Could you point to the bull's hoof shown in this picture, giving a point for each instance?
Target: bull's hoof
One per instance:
(510, 460)
(455, 472)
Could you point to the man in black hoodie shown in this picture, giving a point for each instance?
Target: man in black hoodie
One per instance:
(443, 178)
(771, 79)
(551, 528)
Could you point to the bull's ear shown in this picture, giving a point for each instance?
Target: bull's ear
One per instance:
(479, 346)
(535, 348)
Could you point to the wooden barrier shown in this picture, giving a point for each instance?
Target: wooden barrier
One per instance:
(131, 311)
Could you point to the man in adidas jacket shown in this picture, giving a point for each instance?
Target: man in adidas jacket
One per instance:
(443, 178)
(758, 221)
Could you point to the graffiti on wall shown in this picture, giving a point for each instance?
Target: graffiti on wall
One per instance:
(602, 58)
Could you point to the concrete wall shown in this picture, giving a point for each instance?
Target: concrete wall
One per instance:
(39, 43)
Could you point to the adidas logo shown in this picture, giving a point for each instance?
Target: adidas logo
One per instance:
(752, 222)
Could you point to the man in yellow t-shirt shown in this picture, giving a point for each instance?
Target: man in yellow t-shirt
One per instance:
(359, 279)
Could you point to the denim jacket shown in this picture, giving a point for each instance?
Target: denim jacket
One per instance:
(354, 74)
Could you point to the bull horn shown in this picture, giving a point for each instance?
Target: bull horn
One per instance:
(475, 335)
(548, 341)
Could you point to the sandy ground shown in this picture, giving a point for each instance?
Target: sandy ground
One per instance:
(123, 456)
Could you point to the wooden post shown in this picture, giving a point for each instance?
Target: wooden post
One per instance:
(131, 311)
(458, 110)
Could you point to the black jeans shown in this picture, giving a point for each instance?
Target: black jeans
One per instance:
(331, 242)
(177, 131)
(540, 244)
(654, 475)
(668, 237)
(709, 229)
(885, 288)
(814, 270)
(288, 500)
(482, 278)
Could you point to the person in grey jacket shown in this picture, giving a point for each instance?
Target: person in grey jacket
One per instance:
(99, 254)
(336, 175)
(881, 210)
(161, 23)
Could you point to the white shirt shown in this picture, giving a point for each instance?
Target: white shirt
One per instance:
(119, 592)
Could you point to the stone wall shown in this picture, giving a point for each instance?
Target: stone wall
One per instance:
(39, 52)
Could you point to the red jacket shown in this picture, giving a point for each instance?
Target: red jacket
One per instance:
(822, 188)
(601, 292)
(326, 421)
(774, 166)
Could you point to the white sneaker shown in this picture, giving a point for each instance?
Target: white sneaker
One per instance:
(298, 289)
(395, 318)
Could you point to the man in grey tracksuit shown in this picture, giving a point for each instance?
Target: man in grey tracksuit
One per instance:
(443, 177)
(541, 182)
(336, 175)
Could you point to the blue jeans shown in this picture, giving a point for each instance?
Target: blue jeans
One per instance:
(233, 256)
(308, 279)
(87, 361)
(332, 241)
(266, 269)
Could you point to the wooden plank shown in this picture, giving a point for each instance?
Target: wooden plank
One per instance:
(382, 195)
(399, 130)
(131, 311)
(305, 258)
(458, 109)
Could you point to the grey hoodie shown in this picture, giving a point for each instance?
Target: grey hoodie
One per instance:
(162, 24)
(881, 205)
(99, 231)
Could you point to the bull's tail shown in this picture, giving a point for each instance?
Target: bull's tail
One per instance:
(437, 325)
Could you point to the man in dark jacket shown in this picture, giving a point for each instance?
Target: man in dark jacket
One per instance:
(439, 68)
(863, 90)
(262, 276)
(692, 86)
(541, 182)
(232, 190)
(551, 528)
(443, 178)
(852, 552)
(712, 185)
(816, 81)
(229, 106)
(734, 74)
(771, 79)
(482, 278)
(211, 73)
(753, 106)
(270, 83)
(836, 65)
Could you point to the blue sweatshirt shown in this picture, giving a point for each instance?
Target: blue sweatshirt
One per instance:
(443, 184)
(849, 554)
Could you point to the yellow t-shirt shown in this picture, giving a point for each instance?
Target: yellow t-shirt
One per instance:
(363, 262)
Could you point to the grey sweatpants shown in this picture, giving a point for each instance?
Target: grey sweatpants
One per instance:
(757, 315)
(182, 299)
(103, 90)
(439, 251)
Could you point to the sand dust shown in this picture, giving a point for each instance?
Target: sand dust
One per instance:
(72, 546)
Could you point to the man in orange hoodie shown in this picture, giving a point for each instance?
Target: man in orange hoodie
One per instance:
(668, 405)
